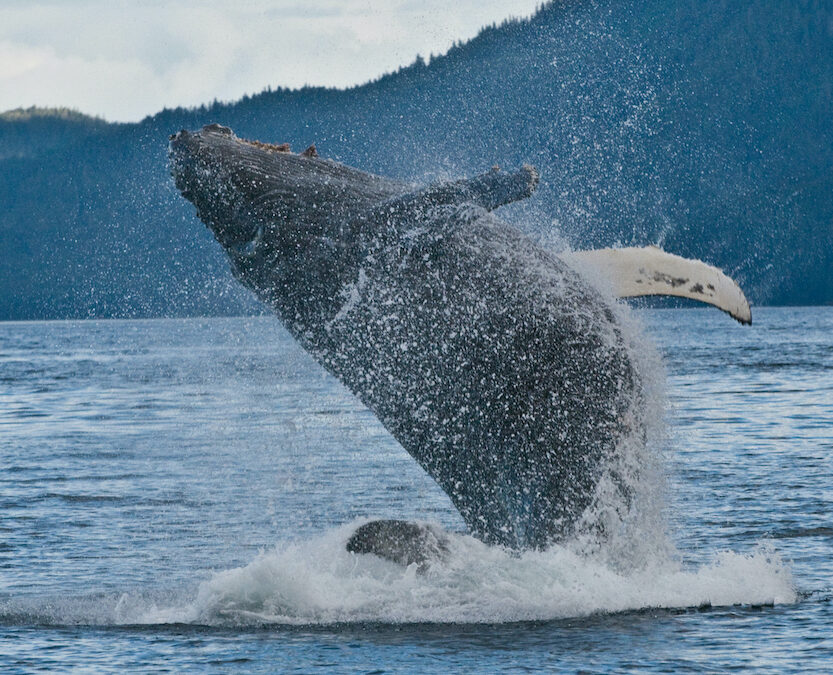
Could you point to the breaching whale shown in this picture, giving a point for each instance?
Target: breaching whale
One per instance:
(490, 359)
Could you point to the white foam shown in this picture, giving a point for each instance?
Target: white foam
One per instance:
(319, 582)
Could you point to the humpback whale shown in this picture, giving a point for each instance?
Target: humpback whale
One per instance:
(491, 360)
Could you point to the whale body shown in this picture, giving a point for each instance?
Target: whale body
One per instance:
(488, 358)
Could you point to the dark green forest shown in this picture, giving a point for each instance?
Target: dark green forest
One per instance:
(703, 127)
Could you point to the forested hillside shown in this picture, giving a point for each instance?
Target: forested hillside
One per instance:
(704, 127)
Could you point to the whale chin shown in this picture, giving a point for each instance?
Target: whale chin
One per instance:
(207, 180)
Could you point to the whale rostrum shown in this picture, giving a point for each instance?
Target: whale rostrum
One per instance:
(490, 360)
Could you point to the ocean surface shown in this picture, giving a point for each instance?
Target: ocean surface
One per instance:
(176, 494)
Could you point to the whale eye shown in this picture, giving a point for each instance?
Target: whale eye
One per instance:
(248, 249)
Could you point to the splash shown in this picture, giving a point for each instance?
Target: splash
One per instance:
(319, 582)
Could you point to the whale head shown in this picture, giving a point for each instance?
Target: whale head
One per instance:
(247, 190)
(226, 179)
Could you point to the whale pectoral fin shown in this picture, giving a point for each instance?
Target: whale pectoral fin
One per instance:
(496, 188)
(636, 272)
(488, 190)
(473, 196)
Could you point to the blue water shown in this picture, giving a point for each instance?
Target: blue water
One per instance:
(176, 495)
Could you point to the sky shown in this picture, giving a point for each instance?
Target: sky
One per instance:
(125, 59)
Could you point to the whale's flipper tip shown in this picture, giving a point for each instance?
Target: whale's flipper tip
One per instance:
(635, 272)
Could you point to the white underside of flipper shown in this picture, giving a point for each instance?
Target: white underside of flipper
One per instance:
(634, 272)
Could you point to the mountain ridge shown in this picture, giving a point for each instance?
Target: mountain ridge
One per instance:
(646, 127)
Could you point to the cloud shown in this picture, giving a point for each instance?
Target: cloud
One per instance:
(123, 60)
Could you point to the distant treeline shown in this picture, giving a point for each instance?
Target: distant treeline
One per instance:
(704, 127)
